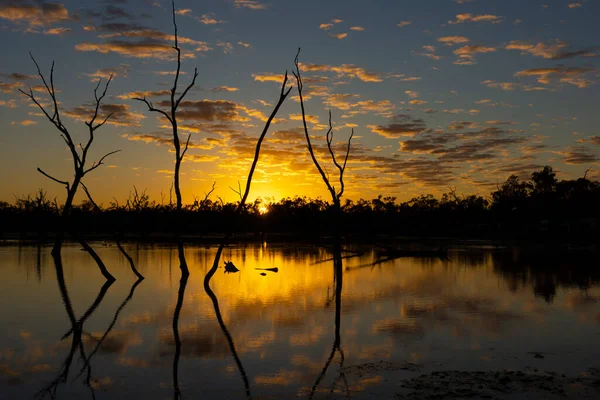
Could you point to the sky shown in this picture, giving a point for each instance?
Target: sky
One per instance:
(441, 94)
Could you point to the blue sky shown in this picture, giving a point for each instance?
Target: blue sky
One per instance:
(440, 93)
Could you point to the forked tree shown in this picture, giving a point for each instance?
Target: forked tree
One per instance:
(78, 152)
(243, 197)
(336, 194)
(171, 114)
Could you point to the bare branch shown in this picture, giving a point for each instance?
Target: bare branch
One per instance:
(299, 86)
(187, 89)
(89, 196)
(53, 178)
(207, 195)
(186, 147)
(100, 162)
(238, 192)
(282, 96)
(151, 107)
(586, 172)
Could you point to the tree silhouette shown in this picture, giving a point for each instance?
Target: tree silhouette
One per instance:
(171, 115)
(80, 157)
(336, 194)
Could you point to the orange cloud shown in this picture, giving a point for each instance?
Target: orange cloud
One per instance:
(57, 31)
(345, 70)
(570, 75)
(105, 73)
(147, 48)
(35, 15)
(452, 40)
(251, 4)
(338, 35)
(122, 116)
(552, 50)
(462, 18)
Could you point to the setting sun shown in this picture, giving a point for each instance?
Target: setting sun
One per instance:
(263, 209)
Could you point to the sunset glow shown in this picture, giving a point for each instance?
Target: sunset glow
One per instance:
(440, 94)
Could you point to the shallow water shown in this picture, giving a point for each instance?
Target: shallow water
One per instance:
(273, 336)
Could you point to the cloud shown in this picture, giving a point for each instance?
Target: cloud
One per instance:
(462, 18)
(472, 49)
(466, 53)
(7, 87)
(337, 35)
(268, 77)
(224, 89)
(595, 140)
(9, 104)
(570, 75)
(122, 116)
(575, 5)
(578, 155)
(226, 46)
(344, 70)
(402, 125)
(147, 48)
(206, 110)
(142, 94)
(150, 43)
(404, 23)
(36, 15)
(313, 119)
(207, 19)
(246, 45)
(109, 13)
(183, 11)
(28, 122)
(251, 4)
(452, 40)
(105, 73)
(57, 31)
(357, 28)
(552, 50)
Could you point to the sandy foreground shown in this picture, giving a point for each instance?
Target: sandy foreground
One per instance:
(386, 380)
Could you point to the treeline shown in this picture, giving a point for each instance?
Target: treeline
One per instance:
(541, 207)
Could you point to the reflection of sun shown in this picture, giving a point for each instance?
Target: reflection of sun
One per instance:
(263, 209)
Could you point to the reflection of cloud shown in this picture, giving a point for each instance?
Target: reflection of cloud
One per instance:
(116, 342)
(399, 327)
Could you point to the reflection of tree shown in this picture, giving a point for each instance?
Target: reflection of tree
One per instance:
(545, 271)
(176, 314)
(338, 282)
(76, 331)
(226, 332)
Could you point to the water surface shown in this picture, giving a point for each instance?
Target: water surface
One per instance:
(273, 336)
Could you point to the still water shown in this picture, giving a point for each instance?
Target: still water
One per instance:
(272, 335)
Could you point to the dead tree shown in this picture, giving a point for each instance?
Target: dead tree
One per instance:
(171, 115)
(79, 152)
(336, 194)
